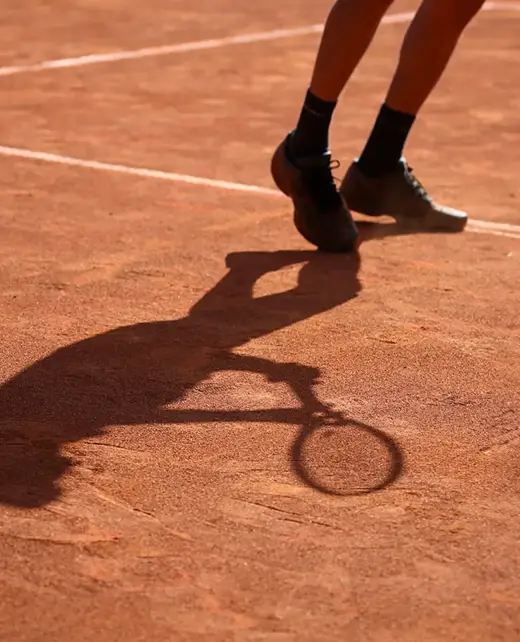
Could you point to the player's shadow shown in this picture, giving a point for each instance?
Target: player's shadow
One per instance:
(136, 374)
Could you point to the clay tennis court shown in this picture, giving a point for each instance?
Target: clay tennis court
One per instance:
(208, 430)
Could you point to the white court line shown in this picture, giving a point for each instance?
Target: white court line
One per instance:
(184, 47)
(134, 171)
(115, 56)
(500, 229)
(501, 6)
(482, 227)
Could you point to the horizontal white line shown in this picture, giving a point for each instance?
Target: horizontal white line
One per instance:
(482, 227)
(185, 47)
(501, 6)
(146, 52)
(502, 227)
(92, 59)
(489, 228)
(134, 171)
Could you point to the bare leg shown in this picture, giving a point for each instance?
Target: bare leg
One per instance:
(380, 181)
(301, 165)
(349, 30)
(427, 48)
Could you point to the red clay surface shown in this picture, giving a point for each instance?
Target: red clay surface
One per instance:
(208, 431)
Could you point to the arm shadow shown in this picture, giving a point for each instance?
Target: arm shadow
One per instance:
(127, 376)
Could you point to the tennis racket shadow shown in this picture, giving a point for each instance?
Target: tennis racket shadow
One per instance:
(332, 452)
(139, 374)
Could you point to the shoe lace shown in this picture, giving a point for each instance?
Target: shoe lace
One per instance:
(321, 185)
(415, 183)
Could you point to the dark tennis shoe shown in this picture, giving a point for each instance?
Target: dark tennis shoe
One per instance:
(320, 213)
(399, 194)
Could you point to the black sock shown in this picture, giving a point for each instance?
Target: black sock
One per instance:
(311, 136)
(385, 144)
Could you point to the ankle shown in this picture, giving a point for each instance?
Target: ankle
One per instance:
(384, 148)
(311, 136)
